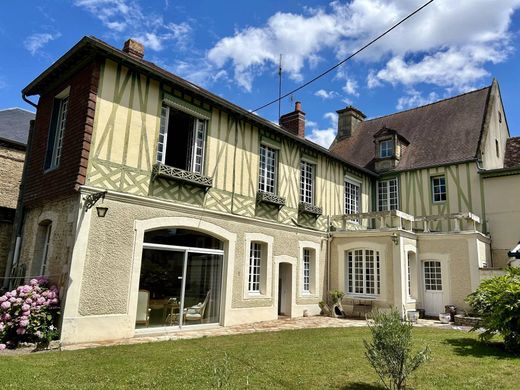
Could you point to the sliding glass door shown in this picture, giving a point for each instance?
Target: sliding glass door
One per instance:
(179, 285)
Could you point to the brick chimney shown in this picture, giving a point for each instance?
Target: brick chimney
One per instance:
(134, 48)
(348, 120)
(294, 122)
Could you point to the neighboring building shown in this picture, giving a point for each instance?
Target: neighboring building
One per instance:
(14, 128)
(154, 203)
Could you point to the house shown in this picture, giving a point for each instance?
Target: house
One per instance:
(155, 204)
(14, 128)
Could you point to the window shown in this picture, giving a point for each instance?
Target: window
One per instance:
(255, 264)
(306, 270)
(438, 189)
(387, 195)
(352, 197)
(307, 183)
(497, 148)
(43, 238)
(56, 130)
(181, 140)
(363, 272)
(268, 161)
(386, 148)
(432, 276)
(499, 117)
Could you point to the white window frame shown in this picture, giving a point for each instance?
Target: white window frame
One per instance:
(432, 274)
(437, 189)
(268, 169)
(255, 266)
(307, 175)
(45, 251)
(61, 103)
(352, 204)
(386, 148)
(265, 287)
(314, 269)
(360, 263)
(388, 194)
(306, 269)
(196, 153)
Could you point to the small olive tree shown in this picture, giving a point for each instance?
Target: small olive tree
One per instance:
(390, 350)
(497, 301)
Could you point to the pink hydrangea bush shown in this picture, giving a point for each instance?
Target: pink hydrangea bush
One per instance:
(29, 314)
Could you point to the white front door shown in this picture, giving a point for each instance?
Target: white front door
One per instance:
(433, 287)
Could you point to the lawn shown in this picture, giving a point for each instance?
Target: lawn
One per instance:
(299, 359)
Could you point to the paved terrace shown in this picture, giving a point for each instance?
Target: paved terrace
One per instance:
(266, 326)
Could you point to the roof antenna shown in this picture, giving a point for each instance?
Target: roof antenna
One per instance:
(279, 87)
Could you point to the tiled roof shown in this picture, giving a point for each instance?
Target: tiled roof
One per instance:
(444, 132)
(512, 156)
(14, 124)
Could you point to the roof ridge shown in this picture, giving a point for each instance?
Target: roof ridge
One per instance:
(16, 108)
(430, 104)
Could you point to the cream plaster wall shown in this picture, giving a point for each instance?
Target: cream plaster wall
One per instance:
(376, 240)
(109, 271)
(503, 211)
(459, 255)
(494, 130)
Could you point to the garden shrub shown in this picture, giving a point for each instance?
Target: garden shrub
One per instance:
(390, 350)
(497, 302)
(29, 314)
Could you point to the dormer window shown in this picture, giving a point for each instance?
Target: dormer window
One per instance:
(386, 148)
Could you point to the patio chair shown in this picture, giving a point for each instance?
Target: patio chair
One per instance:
(196, 312)
(143, 308)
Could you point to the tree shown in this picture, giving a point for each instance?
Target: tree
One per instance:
(390, 350)
(497, 301)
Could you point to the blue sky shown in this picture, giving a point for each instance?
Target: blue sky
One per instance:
(232, 48)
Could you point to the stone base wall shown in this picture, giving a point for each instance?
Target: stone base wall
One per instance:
(6, 230)
(461, 320)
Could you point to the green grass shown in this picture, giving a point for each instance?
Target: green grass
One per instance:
(299, 359)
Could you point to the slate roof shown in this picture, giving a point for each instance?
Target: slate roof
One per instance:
(444, 132)
(512, 156)
(14, 125)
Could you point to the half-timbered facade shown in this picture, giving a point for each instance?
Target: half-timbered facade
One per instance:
(156, 205)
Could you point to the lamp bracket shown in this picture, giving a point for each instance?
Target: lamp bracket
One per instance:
(91, 199)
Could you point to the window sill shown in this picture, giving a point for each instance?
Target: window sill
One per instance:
(256, 295)
(362, 296)
(193, 178)
(269, 198)
(309, 209)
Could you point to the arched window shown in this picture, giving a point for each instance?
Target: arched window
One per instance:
(363, 272)
(39, 264)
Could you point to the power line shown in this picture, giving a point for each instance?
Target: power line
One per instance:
(348, 58)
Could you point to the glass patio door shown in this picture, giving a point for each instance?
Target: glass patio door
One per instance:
(179, 285)
(202, 292)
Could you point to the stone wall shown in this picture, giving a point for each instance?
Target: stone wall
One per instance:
(62, 214)
(11, 166)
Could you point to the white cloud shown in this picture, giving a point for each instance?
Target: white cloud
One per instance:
(33, 43)
(414, 98)
(127, 17)
(429, 48)
(298, 38)
(351, 87)
(324, 137)
(326, 94)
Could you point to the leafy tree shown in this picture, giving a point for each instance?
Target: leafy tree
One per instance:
(497, 301)
(390, 350)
